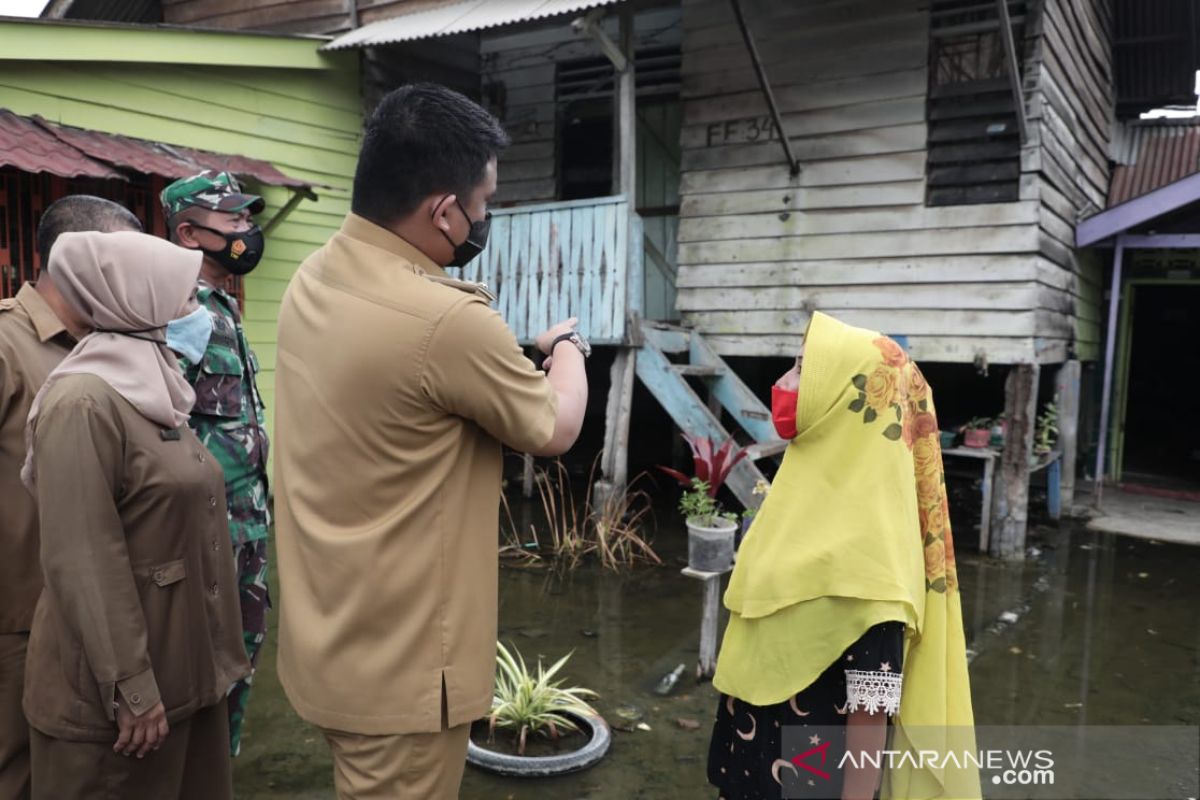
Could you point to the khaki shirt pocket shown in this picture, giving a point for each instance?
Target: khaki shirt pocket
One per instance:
(171, 625)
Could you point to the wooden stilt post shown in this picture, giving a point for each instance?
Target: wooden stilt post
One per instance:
(710, 618)
(527, 476)
(615, 460)
(1011, 501)
(1067, 401)
(614, 463)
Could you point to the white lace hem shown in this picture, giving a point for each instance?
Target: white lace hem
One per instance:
(873, 691)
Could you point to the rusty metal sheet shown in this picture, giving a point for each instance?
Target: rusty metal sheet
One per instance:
(31, 148)
(36, 145)
(1151, 154)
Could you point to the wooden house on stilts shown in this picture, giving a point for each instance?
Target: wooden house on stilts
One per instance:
(693, 178)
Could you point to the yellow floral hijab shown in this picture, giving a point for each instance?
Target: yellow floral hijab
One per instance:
(855, 532)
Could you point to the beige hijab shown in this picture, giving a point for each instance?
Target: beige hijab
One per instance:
(127, 286)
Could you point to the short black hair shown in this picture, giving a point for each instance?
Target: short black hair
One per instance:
(82, 212)
(421, 139)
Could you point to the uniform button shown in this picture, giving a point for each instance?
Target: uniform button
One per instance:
(201, 457)
(135, 699)
(214, 589)
(216, 545)
(212, 502)
(158, 576)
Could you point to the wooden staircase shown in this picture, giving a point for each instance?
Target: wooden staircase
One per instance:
(669, 382)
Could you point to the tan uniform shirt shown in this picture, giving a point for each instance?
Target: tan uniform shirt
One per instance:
(32, 342)
(394, 393)
(141, 597)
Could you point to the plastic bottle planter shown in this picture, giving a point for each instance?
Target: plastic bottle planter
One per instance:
(599, 739)
(710, 549)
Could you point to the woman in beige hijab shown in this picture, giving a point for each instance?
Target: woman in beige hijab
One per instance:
(137, 636)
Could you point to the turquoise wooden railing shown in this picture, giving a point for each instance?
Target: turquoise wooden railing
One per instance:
(552, 261)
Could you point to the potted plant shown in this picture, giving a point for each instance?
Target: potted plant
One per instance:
(999, 429)
(977, 432)
(533, 704)
(711, 531)
(1046, 431)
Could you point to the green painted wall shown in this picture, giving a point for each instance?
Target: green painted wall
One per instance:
(304, 117)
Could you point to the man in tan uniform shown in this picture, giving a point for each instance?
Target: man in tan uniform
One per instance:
(37, 330)
(396, 387)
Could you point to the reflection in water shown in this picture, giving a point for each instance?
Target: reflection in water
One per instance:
(1106, 633)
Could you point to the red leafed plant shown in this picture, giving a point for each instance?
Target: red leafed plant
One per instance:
(712, 465)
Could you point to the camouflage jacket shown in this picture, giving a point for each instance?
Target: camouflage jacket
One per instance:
(229, 416)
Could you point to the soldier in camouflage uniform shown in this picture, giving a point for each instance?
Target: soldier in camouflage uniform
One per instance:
(209, 212)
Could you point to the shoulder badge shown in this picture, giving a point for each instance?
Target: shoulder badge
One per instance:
(470, 287)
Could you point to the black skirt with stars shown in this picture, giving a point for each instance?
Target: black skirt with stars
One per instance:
(766, 753)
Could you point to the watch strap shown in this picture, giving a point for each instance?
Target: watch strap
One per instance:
(574, 338)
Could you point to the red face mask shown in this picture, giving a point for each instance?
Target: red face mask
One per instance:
(783, 412)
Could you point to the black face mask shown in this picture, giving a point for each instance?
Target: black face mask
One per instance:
(476, 240)
(242, 251)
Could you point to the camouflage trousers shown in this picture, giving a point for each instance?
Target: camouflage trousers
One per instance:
(251, 564)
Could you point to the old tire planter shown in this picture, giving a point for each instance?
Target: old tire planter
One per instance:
(545, 766)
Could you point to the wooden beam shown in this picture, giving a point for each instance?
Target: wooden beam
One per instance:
(590, 25)
(1014, 71)
(1067, 401)
(1010, 504)
(627, 112)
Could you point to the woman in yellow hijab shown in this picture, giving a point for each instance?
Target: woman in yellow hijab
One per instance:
(844, 603)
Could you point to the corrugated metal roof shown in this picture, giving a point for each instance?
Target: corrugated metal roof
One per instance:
(34, 145)
(29, 147)
(123, 151)
(1150, 154)
(471, 15)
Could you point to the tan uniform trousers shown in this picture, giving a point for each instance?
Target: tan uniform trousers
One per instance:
(14, 730)
(193, 764)
(412, 766)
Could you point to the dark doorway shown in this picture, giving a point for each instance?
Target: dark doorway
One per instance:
(586, 150)
(1161, 438)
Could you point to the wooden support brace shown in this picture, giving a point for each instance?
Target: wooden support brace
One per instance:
(1014, 68)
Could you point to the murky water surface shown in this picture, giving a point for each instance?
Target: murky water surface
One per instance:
(1107, 632)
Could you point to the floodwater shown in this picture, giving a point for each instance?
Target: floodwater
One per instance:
(1107, 631)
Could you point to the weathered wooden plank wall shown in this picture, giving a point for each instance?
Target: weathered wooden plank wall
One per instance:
(1069, 82)
(760, 249)
(519, 70)
(303, 16)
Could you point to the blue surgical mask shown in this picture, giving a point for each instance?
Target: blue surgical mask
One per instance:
(189, 335)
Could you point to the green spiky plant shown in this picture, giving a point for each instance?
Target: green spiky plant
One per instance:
(528, 702)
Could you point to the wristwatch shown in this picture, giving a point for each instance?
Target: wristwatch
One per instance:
(574, 338)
